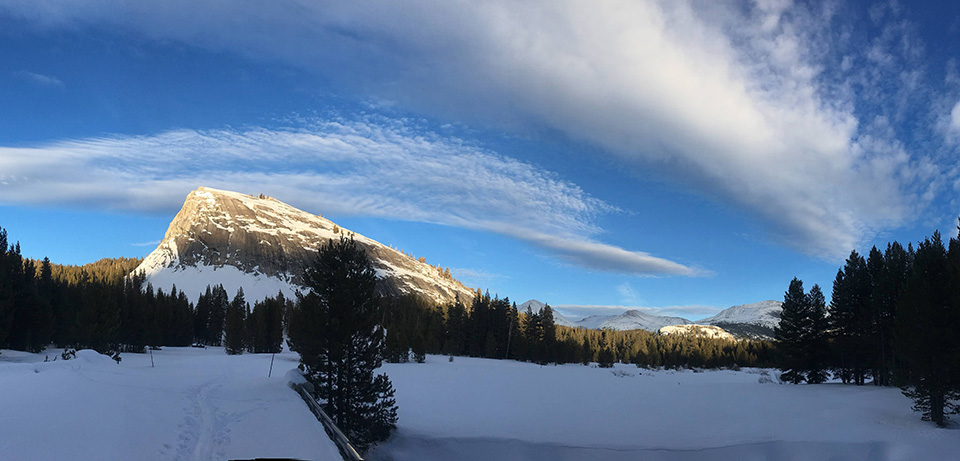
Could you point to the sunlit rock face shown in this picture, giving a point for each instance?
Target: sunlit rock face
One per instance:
(706, 331)
(264, 245)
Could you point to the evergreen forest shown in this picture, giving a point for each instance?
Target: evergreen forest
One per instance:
(98, 306)
(892, 321)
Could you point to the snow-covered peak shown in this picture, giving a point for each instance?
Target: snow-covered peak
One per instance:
(533, 304)
(537, 306)
(706, 331)
(219, 233)
(764, 313)
(631, 320)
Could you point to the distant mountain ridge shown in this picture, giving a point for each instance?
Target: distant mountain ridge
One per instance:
(632, 320)
(264, 245)
(536, 306)
(755, 320)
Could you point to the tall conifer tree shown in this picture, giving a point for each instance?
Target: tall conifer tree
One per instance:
(791, 333)
(815, 340)
(336, 330)
(850, 319)
(926, 333)
(234, 333)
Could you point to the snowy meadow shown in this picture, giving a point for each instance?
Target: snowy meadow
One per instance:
(194, 404)
(477, 409)
(201, 404)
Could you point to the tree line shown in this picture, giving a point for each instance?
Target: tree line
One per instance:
(340, 327)
(491, 327)
(892, 319)
(102, 307)
(343, 331)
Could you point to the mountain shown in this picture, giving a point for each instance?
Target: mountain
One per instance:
(264, 245)
(631, 320)
(756, 320)
(706, 331)
(537, 306)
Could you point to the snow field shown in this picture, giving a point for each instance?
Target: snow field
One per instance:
(196, 404)
(490, 409)
(201, 404)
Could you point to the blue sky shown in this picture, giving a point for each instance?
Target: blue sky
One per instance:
(677, 156)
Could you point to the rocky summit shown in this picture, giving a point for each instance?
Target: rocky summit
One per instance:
(264, 245)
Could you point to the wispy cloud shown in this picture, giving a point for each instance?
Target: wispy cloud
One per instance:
(146, 244)
(475, 277)
(41, 79)
(777, 107)
(628, 295)
(371, 167)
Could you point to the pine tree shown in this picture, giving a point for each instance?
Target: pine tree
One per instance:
(273, 324)
(926, 332)
(815, 341)
(792, 332)
(533, 335)
(98, 319)
(850, 319)
(201, 322)
(8, 278)
(606, 357)
(218, 315)
(235, 334)
(478, 325)
(455, 328)
(337, 333)
(897, 267)
(549, 334)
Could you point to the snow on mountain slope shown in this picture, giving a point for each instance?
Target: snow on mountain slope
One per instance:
(706, 331)
(264, 245)
(193, 280)
(765, 313)
(631, 320)
(537, 306)
(755, 320)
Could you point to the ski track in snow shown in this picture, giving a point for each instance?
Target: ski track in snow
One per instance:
(193, 405)
(204, 431)
(201, 404)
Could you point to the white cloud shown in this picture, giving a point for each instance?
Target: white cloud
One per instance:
(41, 79)
(955, 118)
(628, 295)
(475, 277)
(754, 105)
(374, 167)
